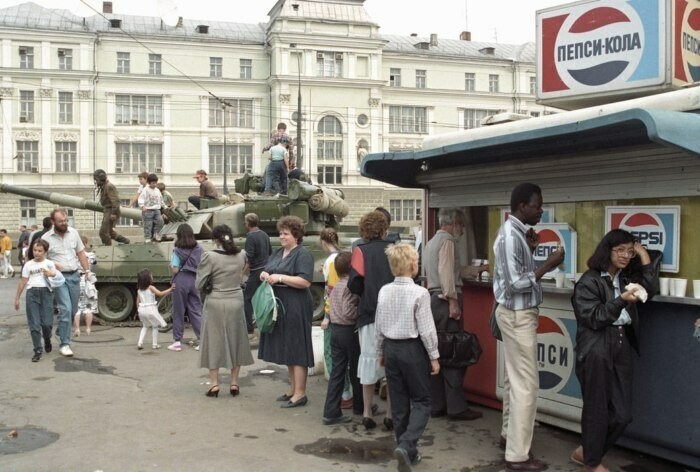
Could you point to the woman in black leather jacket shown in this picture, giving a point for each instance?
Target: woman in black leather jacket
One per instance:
(607, 324)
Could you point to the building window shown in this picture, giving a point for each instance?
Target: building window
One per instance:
(215, 66)
(124, 221)
(27, 212)
(66, 156)
(533, 85)
(138, 110)
(154, 63)
(493, 83)
(65, 59)
(394, 77)
(239, 158)
(133, 158)
(473, 117)
(123, 62)
(28, 156)
(407, 119)
(329, 139)
(469, 81)
(329, 64)
(65, 107)
(534, 114)
(405, 210)
(26, 57)
(421, 78)
(328, 175)
(239, 113)
(246, 68)
(26, 106)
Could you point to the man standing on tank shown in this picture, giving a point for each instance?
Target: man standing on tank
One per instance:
(257, 250)
(67, 251)
(109, 199)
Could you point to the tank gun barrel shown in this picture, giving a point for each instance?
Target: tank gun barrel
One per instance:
(66, 200)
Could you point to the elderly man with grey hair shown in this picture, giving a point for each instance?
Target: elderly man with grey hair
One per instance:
(444, 274)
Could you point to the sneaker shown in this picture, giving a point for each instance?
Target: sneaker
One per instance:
(401, 456)
(196, 348)
(156, 346)
(176, 346)
(139, 346)
(66, 351)
(466, 415)
(36, 357)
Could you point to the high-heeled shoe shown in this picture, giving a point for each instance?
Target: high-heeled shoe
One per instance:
(213, 393)
(234, 390)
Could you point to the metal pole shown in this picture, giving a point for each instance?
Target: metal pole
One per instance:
(299, 132)
(223, 107)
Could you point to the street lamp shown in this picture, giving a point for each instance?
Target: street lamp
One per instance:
(299, 131)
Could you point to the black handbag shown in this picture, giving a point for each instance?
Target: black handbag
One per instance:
(458, 349)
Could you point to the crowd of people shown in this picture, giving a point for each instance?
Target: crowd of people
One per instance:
(380, 323)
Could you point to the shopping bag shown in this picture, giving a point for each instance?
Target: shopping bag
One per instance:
(266, 307)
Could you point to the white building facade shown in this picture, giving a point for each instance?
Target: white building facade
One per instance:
(130, 94)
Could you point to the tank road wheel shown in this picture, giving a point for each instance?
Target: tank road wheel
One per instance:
(165, 307)
(115, 302)
(317, 301)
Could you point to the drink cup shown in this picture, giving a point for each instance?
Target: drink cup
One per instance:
(696, 288)
(559, 279)
(679, 287)
(664, 286)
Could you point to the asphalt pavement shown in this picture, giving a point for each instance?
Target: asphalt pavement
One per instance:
(112, 407)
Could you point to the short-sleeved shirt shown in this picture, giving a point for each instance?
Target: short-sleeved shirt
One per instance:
(277, 152)
(32, 270)
(63, 251)
(151, 199)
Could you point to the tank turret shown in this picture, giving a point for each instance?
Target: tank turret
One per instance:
(117, 265)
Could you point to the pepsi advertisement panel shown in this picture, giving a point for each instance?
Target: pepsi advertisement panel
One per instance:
(601, 46)
(553, 235)
(686, 41)
(656, 227)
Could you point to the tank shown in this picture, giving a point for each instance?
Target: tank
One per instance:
(117, 265)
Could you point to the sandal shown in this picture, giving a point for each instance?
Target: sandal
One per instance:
(235, 390)
(213, 393)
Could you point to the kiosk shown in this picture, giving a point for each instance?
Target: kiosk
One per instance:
(641, 154)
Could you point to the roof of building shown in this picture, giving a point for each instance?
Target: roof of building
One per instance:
(665, 120)
(32, 16)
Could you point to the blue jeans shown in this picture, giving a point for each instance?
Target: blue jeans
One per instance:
(39, 315)
(152, 224)
(278, 175)
(268, 179)
(67, 296)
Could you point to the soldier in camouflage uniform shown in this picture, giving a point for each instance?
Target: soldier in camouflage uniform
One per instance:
(109, 199)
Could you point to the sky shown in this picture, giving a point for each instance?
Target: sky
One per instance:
(505, 21)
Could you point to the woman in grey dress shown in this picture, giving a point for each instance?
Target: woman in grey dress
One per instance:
(290, 271)
(224, 335)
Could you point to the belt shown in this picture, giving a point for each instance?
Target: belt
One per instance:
(69, 272)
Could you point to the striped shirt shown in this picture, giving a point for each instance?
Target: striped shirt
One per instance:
(515, 285)
(403, 312)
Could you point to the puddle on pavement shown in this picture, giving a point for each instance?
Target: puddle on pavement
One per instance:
(377, 450)
(77, 364)
(42, 379)
(27, 439)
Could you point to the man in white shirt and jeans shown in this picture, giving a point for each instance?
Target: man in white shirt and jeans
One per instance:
(516, 287)
(67, 251)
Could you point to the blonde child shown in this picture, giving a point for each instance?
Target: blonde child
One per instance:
(148, 307)
(87, 303)
(39, 301)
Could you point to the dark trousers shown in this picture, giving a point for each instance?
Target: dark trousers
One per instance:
(107, 233)
(278, 174)
(446, 388)
(251, 285)
(345, 352)
(605, 375)
(407, 374)
(196, 201)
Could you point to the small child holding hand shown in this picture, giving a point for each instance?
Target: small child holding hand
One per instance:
(407, 346)
(148, 307)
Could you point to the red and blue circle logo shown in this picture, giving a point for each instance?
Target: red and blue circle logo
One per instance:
(646, 227)
(555, 353)
(690, 43)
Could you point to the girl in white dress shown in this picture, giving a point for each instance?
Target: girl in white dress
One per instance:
(148, 307)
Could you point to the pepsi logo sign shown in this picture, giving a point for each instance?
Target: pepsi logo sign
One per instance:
(656, 227)
(600, 46)
(550, 240)
(690, 43)
(647, 228)
(555, 353)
